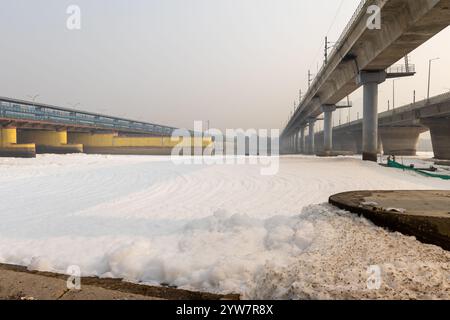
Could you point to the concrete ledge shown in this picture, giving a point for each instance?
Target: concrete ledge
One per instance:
(62, 149)
(17, 283)
(423, 214)
(18, 151)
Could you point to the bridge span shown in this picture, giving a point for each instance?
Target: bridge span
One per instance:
(365, 57)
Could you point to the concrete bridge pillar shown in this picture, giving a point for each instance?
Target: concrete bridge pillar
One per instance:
(9, 146)
(400, 141)
(370, 82)
(440, 136)
(48, 141)
(356, 138)
(288, 144)
(302, 140)
(296, 143)
(311, 137)
(328, 128)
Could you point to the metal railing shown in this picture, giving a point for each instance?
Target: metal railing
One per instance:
(21, 110)
(344, 104)
(356, 15)
(401, 68)
(344, 35)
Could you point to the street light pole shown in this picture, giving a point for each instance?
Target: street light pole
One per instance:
(33, 98)
(429, 76)
(393, 94)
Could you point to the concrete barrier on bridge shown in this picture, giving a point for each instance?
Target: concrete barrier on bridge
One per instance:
(49, 141)
(10, 148)
(112, 143)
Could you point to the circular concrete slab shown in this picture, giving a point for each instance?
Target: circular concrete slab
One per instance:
(423, 214)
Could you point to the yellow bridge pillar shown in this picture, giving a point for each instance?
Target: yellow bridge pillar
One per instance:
(49, 141)
(10, 148)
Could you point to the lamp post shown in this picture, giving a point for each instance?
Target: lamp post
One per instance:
(393, 94)
(33, 98)
(429, 76)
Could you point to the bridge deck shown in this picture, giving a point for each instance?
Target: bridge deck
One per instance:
(31, 115)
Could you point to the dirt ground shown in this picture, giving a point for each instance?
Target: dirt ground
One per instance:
(17, 283)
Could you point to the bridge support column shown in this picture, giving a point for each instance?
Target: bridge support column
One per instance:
(440, 136)
(328, 128)
(370, 82)
(293, 144)
(296, 144)
(302, 140)
(49, 141)
(311, 137)
(400, 141)
(10, 148)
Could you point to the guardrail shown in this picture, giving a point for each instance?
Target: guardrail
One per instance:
(401, 68)
(343, 36)
(356, 15)
(20, 110)
(344, 104)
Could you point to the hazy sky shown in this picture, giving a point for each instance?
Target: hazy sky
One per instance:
(237, 63)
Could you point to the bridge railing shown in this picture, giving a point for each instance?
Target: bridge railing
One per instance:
(356, 15)
(24, 111)
(343, 104)
(341, 39)
(401, 68)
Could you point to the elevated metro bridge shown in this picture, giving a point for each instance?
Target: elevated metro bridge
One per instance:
(363, 57)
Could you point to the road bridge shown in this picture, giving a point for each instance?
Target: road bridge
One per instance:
(399, 130)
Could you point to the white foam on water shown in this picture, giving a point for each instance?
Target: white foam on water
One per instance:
(214, 228)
